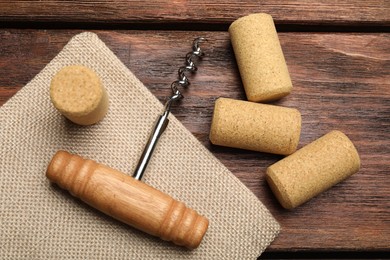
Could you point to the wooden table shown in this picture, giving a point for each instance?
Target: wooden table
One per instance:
(338, 56)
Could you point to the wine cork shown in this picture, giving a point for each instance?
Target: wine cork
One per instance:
(313, 169)
(78, 93)
(255, 126)
(260, 58)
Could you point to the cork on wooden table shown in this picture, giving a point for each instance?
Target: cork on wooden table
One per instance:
(255, 126)
(260, 58)
(313, 169)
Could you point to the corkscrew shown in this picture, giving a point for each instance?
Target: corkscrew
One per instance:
(162, 120)
(128, 199)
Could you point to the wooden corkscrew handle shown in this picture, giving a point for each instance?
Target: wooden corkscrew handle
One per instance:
(128, 200)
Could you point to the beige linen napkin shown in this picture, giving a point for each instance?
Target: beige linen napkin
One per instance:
(40, 221)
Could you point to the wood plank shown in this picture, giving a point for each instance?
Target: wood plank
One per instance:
(333, 12)
(341, 81)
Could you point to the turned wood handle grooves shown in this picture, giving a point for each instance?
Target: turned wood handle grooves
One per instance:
(128, 200)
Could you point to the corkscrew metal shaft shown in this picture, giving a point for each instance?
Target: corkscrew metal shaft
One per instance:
(163, 120)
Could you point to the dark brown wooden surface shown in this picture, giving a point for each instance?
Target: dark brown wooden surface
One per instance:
(332, 12)
(341, 81)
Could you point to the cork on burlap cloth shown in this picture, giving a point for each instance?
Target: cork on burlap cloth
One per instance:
(41, 221)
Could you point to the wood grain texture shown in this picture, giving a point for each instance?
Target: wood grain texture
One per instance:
(340, 81)
(359, 12)
(127, 199)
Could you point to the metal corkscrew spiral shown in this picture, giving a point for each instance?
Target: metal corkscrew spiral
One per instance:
(189, 67)
(163, 121)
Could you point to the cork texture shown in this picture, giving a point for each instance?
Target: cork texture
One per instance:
(260, 58)
(313, 169)
(78, 93)
(254, 126)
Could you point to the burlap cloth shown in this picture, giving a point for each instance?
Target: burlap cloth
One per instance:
(40, 221)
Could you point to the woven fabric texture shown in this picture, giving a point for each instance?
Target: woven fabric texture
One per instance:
(40, 221)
